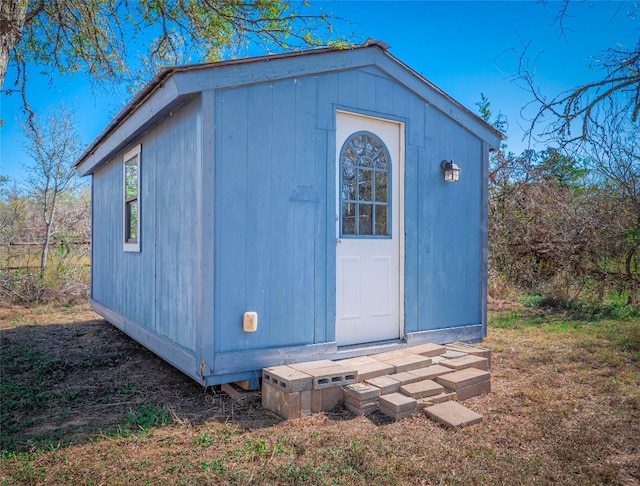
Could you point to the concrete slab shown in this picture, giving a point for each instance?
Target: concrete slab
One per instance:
(361, 410)
(397, 402)
(389, 355)
(309, 365)
(430, 372)
(408, 362)
(463, 378)
(446, 396)
(452, 414)
(453, 354)
(361, 391)
(287, 378)
(421, 389)
(386, 384)
(427, 349)
(396, 415)
(468, 361)
(358, 360)
(404, 378)
(373, 369)
(473, 390)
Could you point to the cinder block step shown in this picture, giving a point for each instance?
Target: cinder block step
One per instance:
(452, 414)
(310, 365)
(430, 372)
(408, 362)
(287, 405)
(331, 376)
(358, 360)
(463, 378)
(427, 349)
(326, 399)
(421, 389)
(289, 379)
(386, 384)
(468, 361)
(361, 410)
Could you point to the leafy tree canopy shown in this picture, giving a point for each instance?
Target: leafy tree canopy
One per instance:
(95, 36)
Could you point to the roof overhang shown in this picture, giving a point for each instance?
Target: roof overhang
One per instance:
(173, 86)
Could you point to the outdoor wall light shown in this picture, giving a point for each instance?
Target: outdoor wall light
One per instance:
(450, 171)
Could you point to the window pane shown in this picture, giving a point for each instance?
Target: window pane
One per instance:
(382, 187)
(348, 184)
(131, 178)
(382, 218)
(382, 160)
(132, 221)
(349, 157)
(373, 146)
(364, 184)
(366, 226)
(358, 144)
(365, 162)
(349, 219)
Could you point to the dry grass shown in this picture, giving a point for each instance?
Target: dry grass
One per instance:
(565, 409)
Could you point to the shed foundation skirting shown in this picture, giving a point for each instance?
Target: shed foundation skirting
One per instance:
(246, 365)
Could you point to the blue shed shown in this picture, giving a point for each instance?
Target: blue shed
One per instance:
(290, 207)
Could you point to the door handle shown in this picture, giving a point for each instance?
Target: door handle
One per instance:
(338, 242)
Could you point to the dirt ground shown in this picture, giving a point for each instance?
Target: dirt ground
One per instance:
(100, 409)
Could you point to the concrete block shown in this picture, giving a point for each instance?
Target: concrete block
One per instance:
(332, 376)
(326, 399)
(386, 384)
(421, 389)
(430, 372)
(463, 378)
(452, 414)
(397, 402)
(408, 362)
(361, 392)
(405, 377)
(287, 378)
(446, 396)
(287, 405)
(396, 415)
(373, 369)
(468, 361)
(427, 349)
(473, 390)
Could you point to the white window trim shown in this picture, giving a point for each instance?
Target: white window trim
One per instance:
(135, 151)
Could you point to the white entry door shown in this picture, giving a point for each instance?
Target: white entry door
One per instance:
(369, 155)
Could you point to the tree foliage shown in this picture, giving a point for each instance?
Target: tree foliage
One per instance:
(95, 36)
(53, 146)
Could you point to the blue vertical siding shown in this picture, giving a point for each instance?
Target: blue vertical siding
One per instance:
(275, 250)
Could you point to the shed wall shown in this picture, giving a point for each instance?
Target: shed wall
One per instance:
(275, 208)
(155, 288)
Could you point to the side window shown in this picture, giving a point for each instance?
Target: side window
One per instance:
(365, 171)
(132, 200)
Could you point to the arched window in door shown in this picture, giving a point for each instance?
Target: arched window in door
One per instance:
(365, 185)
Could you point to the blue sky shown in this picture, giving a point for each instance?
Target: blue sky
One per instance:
(465, 48)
